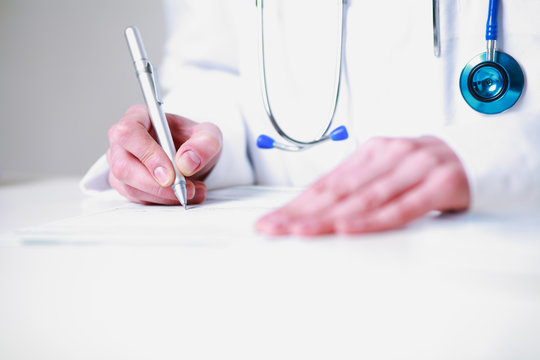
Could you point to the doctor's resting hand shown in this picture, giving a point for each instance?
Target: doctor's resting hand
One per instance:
(385, 184)
(140, 169)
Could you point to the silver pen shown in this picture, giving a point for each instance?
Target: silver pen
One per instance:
(146, 73)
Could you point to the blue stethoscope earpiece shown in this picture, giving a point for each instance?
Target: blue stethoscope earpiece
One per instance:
(493, 81)
(339, 133)
(266, 142)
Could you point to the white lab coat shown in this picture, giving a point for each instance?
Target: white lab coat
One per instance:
(393, 85)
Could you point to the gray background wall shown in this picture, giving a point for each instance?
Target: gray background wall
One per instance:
(65, 78)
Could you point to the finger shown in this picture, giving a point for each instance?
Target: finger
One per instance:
(273, 224)
(303, 226)
(200, 152)
(139, 113)
(138, 196)
(394, 215)
(121, 188)
(181, 128)
(374, 160)
(141, 197)
(130, 171)
(131, 134)
(408, 174)
(289, 219)
(303, 215)
(445, 188)
(313, 201)
(200, 192)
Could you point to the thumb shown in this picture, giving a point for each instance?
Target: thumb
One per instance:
(200, 152)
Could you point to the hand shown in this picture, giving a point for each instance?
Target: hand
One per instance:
(384, 185)
(141, 171)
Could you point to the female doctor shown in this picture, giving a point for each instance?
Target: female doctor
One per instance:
(415, 143)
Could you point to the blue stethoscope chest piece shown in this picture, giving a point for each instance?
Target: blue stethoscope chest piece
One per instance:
(491, 87)
(493, 81)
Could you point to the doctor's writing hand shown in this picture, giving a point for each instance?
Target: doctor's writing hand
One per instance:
(384, 185)
(140, 169)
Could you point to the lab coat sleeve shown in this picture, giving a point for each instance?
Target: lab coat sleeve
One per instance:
(502, 160)
(200, 80)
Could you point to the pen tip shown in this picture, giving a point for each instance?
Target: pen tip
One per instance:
(181, 194)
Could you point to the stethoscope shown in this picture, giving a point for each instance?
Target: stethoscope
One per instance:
(490, 83)
(339, 133)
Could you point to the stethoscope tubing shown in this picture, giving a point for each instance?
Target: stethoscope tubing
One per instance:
(296, 144)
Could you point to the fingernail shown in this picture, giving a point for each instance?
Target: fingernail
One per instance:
(273, 224)
(161, 175)
(189, 162)
(353, 226)
(190, 189)
(306, 227)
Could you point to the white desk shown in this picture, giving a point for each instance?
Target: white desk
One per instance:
(463, 287)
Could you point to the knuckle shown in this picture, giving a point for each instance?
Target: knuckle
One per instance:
(398, 214)
(401, 146)
(407, 210)
(120, 169)
(131, 193)
(108, 155)
(418, 204)
(375, 196)
(214, 129)
(120, 187)
(211, 137)
(113, 182)
(213, 143)
(319, 185)
(119, 132)
(372, 148)
(135, 108)
(426, 158)
(149, 156)
(428, 140)
(200, 186)
(162, 192)
(377, 142)
(111, 134)
(453, 178)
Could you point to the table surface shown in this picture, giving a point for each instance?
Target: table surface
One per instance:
(457, 287)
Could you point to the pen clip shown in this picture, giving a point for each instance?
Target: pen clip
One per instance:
(153, 75)
(145, 66)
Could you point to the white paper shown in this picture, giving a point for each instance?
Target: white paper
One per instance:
(227, 215)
